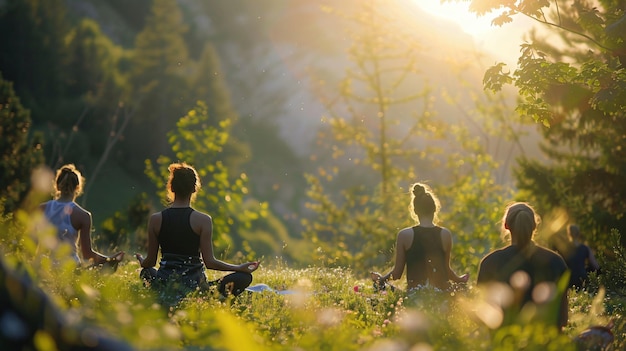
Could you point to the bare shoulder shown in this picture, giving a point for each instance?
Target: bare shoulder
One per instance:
(200, 221)
(446, 233)
(446, 239)
(200, 216)
(80, 211)
(405, 237)
(156, 218)
(405, 233)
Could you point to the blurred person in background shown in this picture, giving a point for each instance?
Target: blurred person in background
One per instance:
(578, 257)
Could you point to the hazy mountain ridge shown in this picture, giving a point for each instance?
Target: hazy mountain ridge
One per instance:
(296, 36)
(269, 51)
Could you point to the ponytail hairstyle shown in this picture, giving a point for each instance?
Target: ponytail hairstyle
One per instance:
(424, 203)
(521, 220)
(68, 180)
(183, 181)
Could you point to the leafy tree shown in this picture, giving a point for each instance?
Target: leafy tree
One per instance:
(134, 13)
(371, 203)
(360, 201)
(199, 143)
(571, 78)
(68, 76)
(250, 46)
(209, 85)
(159, 71)
(92, 61)
(20, 153)
(126, 229)
(95, 86)
(32, 55)
(477, 183)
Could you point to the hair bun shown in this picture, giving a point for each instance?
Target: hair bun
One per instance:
(419, 190)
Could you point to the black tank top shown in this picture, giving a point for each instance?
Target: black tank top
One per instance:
(425, 259)
(176, 235)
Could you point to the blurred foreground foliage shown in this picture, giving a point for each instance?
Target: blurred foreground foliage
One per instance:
(325, 309)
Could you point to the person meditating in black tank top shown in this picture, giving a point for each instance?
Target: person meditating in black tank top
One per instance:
(426, 258)
(424, 248)
(185, 237)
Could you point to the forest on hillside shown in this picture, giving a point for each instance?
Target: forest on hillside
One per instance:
(308, 122)
(326, 113)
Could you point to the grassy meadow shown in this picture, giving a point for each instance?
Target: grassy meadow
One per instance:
(324, 308)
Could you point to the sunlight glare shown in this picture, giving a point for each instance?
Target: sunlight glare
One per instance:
(421, 346)
(459, 13)
(491, 315)
(544, 292)
(500, 41)
(412, 321)
(499, 294)
(520, 280)
(42, 180)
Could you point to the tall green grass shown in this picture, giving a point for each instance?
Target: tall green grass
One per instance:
(326, 309)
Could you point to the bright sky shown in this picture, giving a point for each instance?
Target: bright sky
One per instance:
(503, 41)
(458, 12)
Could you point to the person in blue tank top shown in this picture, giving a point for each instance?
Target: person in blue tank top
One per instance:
(424, 248)
(72, 222)
(185, 238)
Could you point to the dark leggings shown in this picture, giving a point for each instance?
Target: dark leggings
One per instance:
(232, 284)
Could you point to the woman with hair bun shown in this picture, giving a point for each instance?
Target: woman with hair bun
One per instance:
(73, 223)
(424, 248)
(529, 270)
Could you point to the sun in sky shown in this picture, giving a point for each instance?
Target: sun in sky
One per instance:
(502, 41)
(459, 13)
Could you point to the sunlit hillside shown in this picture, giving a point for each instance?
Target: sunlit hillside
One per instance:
(273, 57)
(277, 70)
(312, 175)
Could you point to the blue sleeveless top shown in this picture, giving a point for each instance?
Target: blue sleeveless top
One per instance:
(58, 214)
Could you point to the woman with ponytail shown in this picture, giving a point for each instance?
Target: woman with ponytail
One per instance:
(531, 272)
(72, 222)
(424, 248)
